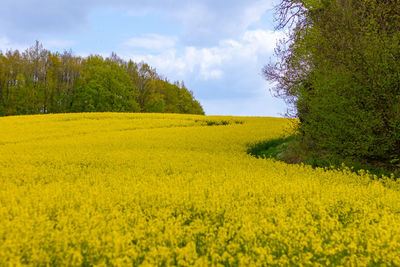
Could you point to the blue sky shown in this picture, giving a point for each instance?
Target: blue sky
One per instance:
(217, 48)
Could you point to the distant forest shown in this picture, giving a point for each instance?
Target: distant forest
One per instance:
(39, 81)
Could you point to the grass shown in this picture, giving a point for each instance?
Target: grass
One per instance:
(274, 148)
(288, 150)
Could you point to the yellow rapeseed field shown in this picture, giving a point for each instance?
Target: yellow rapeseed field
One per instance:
(157, 189)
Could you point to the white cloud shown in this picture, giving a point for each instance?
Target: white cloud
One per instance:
(57, 44)
(261, 104)
(253, 12)
(207, 22)
(210, 46)
(208, 63)
(226, 77)
(6, 44)
(202, 21)
(152, 42)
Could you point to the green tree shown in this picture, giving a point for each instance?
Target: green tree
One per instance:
(340, 69)
(40, 81)
(103, 86)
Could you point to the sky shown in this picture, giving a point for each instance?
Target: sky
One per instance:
(217, 47)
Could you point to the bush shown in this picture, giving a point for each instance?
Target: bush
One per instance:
(341, 71)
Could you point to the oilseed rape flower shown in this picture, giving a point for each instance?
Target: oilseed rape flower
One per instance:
(124, 189)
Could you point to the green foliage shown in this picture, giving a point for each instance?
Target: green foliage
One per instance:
(291, 150)
(273, 148)
(340, 69)
(39, 81)
(104, 86)
(218, 122)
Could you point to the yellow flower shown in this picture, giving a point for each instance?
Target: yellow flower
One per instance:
(165, 189)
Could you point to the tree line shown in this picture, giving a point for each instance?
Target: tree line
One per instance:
(339, 67)
(38, 81)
